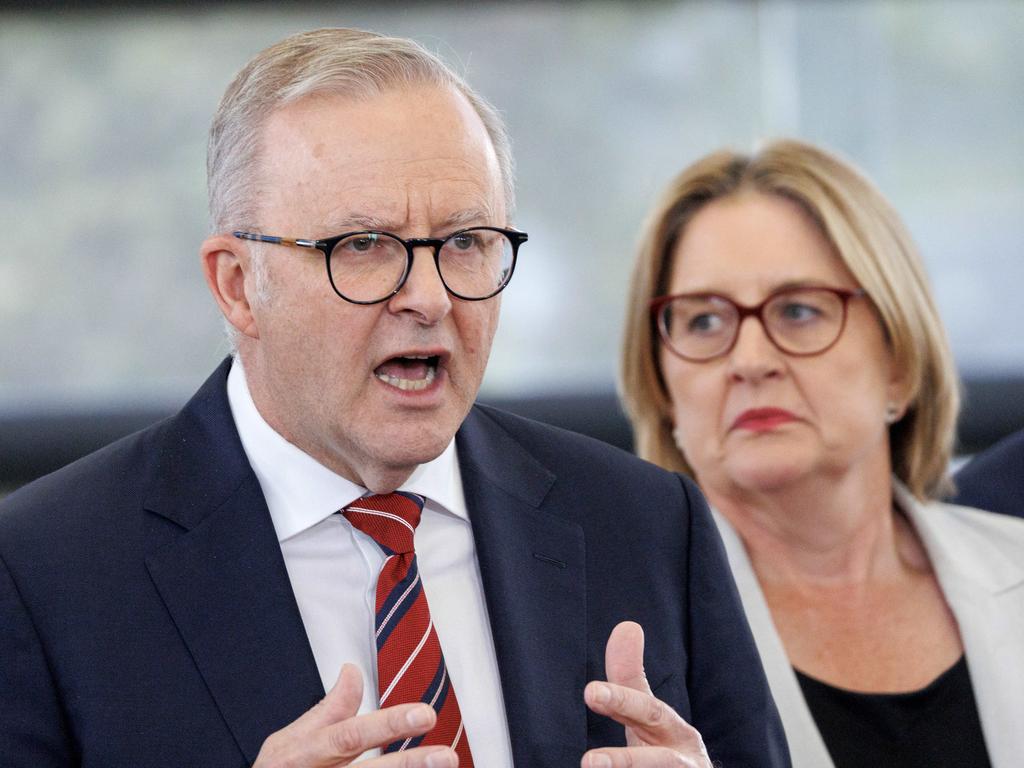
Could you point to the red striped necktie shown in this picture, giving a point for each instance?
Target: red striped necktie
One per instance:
(410, 665)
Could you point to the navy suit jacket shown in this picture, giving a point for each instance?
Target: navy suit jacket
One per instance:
(148, 619)
(994, 479)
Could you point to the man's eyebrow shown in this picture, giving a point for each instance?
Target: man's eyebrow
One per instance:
(355, 222)
(358, 221)
(469, 217)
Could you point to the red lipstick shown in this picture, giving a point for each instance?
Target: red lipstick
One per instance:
(762, 419)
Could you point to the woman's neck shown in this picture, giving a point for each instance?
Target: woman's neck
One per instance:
(849, 586)
(823, 532)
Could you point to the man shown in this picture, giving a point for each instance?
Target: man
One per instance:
(187, 595)
(994, 479)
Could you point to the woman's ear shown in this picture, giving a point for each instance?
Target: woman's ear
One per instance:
(898, 393)
(226, 264)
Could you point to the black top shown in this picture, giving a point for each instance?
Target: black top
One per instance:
(935, 726)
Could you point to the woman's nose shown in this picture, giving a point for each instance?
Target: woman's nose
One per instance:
(754, 356)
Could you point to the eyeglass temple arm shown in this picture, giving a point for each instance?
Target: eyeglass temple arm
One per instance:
(277, 240)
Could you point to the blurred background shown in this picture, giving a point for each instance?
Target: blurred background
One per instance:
(106, 324)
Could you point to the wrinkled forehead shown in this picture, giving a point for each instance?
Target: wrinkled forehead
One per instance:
(421, 140)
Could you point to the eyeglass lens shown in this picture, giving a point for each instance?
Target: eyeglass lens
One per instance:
(801, 321)
(473, 264)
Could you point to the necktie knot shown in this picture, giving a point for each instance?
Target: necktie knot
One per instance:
(390, 519)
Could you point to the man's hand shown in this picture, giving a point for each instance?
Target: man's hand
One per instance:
(330, 734)
(655, 735)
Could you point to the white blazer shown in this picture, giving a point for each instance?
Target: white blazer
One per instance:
(978, 558)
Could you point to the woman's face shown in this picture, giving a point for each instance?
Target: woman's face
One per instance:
(757, 419)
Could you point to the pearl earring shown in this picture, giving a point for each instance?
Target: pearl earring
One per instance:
(892, 413)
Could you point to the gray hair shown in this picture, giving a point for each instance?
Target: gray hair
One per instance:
(346, 62)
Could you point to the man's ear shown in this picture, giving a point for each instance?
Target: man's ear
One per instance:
(226, 263)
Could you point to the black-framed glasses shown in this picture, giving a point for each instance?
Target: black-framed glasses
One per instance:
(371, 266)
(800, 321)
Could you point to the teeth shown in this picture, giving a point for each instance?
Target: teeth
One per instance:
(410, 385)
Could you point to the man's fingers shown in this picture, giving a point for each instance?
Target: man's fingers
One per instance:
(344, 741)
(624, 656)
(656, 734)
(638, 757)
(339, 743)
(651, 720)
(421, 757)
(340, 703)
(630, 707)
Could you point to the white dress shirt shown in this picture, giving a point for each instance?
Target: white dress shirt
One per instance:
(333, 570)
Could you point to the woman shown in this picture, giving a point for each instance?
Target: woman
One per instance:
(783, 347)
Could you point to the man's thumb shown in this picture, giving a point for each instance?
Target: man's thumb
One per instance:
(624, 657)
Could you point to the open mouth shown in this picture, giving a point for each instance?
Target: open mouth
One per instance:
(410, 374)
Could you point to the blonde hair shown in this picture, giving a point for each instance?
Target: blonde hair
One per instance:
(347, 62)
(873, 243)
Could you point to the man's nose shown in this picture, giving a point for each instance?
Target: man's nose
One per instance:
(424, 293)
(754, 356)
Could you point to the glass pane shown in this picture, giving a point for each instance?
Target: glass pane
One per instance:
(103, 127)
(476, 263)
(368, 266)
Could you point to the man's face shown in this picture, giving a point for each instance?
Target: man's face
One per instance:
(351, 384)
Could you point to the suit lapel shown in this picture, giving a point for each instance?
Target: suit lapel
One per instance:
(991, 626)
(975, 556)
(532, 564)
(806, 745)
(224, 581)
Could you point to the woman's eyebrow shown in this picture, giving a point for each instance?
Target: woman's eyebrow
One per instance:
(785, 285)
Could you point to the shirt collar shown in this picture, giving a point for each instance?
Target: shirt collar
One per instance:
(301, 492)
